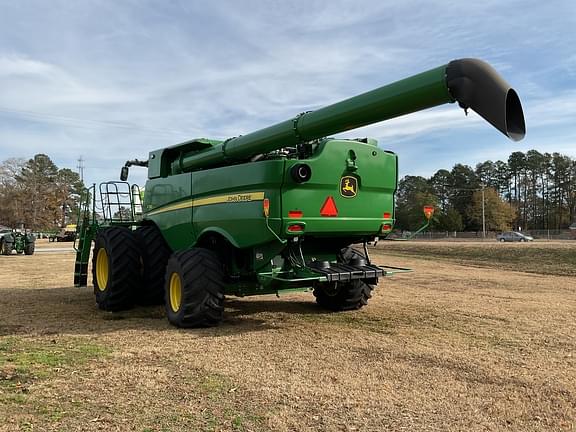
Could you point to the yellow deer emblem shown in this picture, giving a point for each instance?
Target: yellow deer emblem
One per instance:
(348, 186)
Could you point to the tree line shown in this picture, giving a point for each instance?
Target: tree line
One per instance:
(38, 194)
(529, 191)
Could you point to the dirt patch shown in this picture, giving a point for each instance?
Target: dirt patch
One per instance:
(448, 347)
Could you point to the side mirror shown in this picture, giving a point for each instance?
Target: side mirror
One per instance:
(124, 173)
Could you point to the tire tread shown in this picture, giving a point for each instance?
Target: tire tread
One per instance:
(124, 268)
(203, 288)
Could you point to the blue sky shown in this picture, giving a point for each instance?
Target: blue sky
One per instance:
(111, 80)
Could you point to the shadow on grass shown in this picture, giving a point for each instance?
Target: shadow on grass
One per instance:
(69, 310)
(246, 307)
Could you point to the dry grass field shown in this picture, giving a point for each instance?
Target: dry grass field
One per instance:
(481, 337)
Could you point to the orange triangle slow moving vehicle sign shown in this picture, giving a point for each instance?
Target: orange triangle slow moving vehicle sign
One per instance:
(329, 209)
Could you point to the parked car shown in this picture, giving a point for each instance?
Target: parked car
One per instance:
(513, 236)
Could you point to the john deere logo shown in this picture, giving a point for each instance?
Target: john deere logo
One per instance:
(348, 187)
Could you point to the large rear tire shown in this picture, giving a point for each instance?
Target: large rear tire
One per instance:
(155, 254)
(115, 268)
(194, 288)
(344, 296)
(6, 248)
(29, 249)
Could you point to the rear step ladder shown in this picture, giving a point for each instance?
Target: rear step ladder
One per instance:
(85, 231)
(120, 204)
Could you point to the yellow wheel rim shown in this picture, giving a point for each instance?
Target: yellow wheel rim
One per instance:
(175, 292)
(102, 269)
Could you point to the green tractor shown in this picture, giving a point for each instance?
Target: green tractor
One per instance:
(281, 209)
(18, 240)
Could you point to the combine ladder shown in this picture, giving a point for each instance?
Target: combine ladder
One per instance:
(120, 205)
(85, 232)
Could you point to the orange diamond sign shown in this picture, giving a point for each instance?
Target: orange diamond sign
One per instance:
(428, 211)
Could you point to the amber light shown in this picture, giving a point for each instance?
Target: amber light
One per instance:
(295, 214)
(266, 207)
(295, 228)
(387, 215)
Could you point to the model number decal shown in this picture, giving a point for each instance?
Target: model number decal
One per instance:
(240, 198)
(219, 199)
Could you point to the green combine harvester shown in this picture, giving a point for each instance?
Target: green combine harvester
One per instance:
(275, 210)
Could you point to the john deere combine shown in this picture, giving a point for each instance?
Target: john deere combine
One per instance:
(274, 210)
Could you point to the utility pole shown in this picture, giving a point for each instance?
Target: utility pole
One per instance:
(483, 213)
(80, 167)
(482, 187)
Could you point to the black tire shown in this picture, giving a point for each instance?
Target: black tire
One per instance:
(502, 240)
(155, 253)
(29, 249)
(115, 289)
(6, 248)
(344, 296)
(201, 277)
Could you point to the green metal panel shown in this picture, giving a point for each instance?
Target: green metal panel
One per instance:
(233, 214)
(223, 200)
(363, 214)
(228, 200)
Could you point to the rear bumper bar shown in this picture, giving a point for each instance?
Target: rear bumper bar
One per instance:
(347, 272)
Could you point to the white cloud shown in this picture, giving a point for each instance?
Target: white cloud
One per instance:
(15, 66)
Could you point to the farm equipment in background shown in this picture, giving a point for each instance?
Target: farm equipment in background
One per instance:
(19, 240)
(271, 211)
(66, 234)
(428, 213)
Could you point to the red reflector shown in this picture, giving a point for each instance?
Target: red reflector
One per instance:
(387, 215)
(295, 228)
(266, 207)
(295, 214)
(386, 227)
(329, 209)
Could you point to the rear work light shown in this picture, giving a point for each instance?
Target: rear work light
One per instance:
(301, 173)
(295, 228)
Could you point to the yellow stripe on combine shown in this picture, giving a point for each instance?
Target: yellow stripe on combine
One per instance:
(219, 199)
